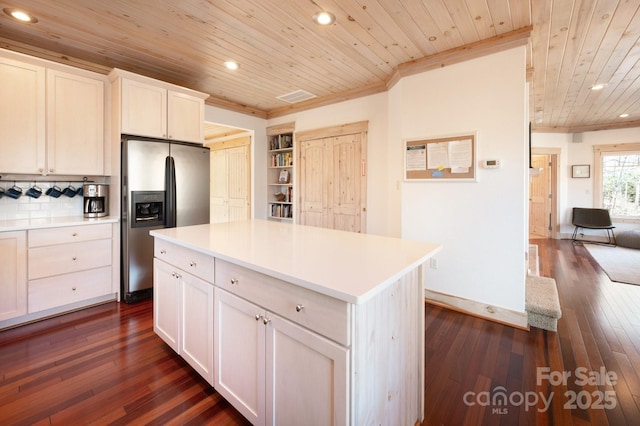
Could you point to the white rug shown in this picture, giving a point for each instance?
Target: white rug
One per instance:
(621, 264)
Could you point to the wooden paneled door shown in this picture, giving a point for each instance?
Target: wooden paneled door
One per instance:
(541, 193)
(332, 177)
(230, 180)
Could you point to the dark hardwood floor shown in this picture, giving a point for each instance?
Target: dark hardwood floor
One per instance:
(104, 365)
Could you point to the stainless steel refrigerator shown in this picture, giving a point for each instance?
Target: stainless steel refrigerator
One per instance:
(164, 184)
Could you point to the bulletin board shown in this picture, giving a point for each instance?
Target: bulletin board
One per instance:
(441, 159)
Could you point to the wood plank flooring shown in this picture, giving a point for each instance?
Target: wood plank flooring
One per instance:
(104, 365)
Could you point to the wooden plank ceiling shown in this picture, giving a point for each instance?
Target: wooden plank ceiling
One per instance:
(573, 44)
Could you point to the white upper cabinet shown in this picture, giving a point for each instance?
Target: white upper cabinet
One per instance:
(156, 109)
(51, 121)
(185, 119)
(75, 124)
(143, 109)
(22, 117)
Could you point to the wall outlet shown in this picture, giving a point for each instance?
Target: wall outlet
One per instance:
(433, 263)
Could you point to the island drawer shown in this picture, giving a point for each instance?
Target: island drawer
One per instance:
(68, 234)
(64, 258)
(323, 314)
(191, 261)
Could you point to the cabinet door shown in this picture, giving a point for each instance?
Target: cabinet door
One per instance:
(196, 345)
(75, 124)
(143, 109)
(185, 118)
(239, 360)
(166, 304)
(306, 376)
(22, 117)
(13, 274)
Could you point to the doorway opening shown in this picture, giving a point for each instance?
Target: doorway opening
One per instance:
(543, 193)
(230, 176)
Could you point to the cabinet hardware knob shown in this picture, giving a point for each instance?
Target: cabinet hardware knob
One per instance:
(178, 276)
(173, 274)
(41, 170)
(258, 316)
(299, 308)
(73, 288)
(192, 264)
(163, 252)
(75, 258)
(50, 170)
(75, 234)
(266, 320)
(234, 281)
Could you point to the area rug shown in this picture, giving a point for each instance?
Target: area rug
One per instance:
(621, 264)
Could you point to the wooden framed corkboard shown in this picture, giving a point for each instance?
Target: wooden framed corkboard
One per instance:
(450, 158)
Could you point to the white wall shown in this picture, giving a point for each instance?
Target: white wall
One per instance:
(576, 192)
(482, 225)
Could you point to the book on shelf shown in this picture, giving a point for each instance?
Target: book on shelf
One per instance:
(281, 142)
(284, 176)
(282, 159)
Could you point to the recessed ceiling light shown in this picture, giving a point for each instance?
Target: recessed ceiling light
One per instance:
(598, 86)
(231, 65)
(324, 18)
(625, 115)
(20, 15)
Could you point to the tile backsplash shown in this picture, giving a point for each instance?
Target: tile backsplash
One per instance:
(45, 206)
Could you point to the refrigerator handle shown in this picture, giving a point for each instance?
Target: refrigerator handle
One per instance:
(170, 195)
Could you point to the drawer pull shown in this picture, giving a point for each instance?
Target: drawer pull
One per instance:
(266, 320)
(258, 316)
(192, 264)
(299, 308)
(74, 258)
(163, 251)
(73, 288)
(234, 281)
(75, 234)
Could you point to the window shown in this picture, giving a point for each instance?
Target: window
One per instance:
(618, 180)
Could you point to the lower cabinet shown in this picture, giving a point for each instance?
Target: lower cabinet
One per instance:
(183, 315)
(68, 265)
(274, 371)
(13, 274)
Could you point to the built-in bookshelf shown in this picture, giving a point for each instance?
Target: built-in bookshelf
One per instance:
(280, 176)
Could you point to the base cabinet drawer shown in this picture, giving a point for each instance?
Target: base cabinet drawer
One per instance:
(191, 261)
(61, 290)
(323, 314)
(68, 234)
(65, 258)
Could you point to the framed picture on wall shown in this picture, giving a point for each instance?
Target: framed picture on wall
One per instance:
(580, 171)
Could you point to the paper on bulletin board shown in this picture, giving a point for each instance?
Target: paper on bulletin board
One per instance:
(438, 155)
(416, 158)
(460, 154)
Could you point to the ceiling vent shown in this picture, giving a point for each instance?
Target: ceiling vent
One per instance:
(297, 96)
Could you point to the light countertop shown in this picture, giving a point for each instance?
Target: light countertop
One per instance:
(52, 222)
(348, 266)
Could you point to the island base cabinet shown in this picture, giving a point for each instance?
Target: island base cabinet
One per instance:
(239, 355)
(196, 343)
(166, 304)
(275, 372)
(183, 315)
(307, 376)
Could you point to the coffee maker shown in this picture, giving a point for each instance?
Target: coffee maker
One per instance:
(96, 200)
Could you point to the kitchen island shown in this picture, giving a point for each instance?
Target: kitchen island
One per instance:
(295, 324)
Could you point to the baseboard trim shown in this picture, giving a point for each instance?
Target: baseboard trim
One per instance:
(477, 309)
